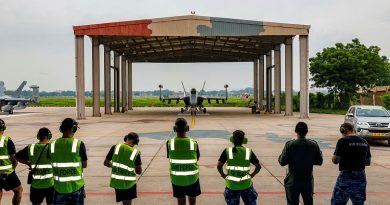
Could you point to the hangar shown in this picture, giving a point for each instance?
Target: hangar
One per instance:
(192, 39)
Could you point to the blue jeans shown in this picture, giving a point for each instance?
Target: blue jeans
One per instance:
(350, 185)
(75, 198)
(249, 196)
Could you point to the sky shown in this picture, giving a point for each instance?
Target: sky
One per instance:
(37, 41)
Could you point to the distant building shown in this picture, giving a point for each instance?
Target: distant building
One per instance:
(374, 95)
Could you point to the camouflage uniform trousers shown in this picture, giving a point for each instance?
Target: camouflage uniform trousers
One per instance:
(249, 196)
(350, 185)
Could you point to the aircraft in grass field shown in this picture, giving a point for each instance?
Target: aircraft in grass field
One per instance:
(193, 102)
(15, 102)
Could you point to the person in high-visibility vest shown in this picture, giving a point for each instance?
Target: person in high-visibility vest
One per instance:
(183, 154)
(69, 158)
(238, 179)
(125, 162)
(35, 156)
(8, 178)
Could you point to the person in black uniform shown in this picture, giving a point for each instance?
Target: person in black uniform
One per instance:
(300, 155)
(353, 154)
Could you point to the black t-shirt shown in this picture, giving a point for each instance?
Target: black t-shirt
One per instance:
(253, 159)
(82, 153)
(353, 152)
(197, 150)
(137, 161)
(11, 147)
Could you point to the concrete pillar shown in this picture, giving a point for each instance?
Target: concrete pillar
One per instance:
(107, 80)
(256, 83)
(304, 76)
(268, 63)
(261, 82)
(130, 85)
(116, 82)
(278, 78)
(80, 78)
(95, 78)
(124, 83)
(289, 76)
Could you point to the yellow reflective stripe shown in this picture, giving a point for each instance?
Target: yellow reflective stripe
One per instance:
(74, 145)
(192, 144)
(230, 150)
(2, 141)
(238, 168)
(52, 146)
(187, 173)
(182, 161)
(67, 179)
(172, 144)
(117, 149)
(133, 154)
(32, 149)
(236, 179)
(44, 166)
(247, 153)
(4, 157)
(46, 176)
(5, 167)
(125, 178)
(66, 164)
(116, 164)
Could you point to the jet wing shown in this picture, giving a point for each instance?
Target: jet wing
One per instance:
(217, 100)
(169, 100)
(14, 100)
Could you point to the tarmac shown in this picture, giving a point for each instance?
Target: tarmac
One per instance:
(267, 135)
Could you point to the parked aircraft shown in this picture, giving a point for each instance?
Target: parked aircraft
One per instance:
(16, 102)
(194, 101)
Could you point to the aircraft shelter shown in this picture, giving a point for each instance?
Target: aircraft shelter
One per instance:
(192, 39)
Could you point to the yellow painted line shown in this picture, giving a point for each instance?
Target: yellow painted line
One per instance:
(193, 121)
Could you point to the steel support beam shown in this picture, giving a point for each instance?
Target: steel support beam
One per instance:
(95, 78)
(261, 82)
(268, 62)
(116, 82)
(304, 76)
(278, 77)
(124, 83)
(130, 85)
(289, 76)
(80, 77)
(256, 83)
(107, 80)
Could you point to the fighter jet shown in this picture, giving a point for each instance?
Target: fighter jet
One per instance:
(15, 102)
(194, 101)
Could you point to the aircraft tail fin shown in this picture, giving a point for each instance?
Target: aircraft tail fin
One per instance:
(18, 91)
(185, 92)
(2, 88)
(202, 90)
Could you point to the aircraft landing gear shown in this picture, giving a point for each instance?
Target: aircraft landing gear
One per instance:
(11, 112)
(182, 110)
(204, 110)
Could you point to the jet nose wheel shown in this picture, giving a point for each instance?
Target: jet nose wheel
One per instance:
(182, 110)
(11, 112)
(204, 110)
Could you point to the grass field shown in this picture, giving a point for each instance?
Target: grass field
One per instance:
(155, 102)
(137, 102)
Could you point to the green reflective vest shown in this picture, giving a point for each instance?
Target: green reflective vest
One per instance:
(238, 167)
(123, 168)
(67, 166)
(43, 174)
(184, 169)
(5, 161)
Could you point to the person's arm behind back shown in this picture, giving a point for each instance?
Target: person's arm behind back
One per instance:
(318, 156)
(284, 157)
